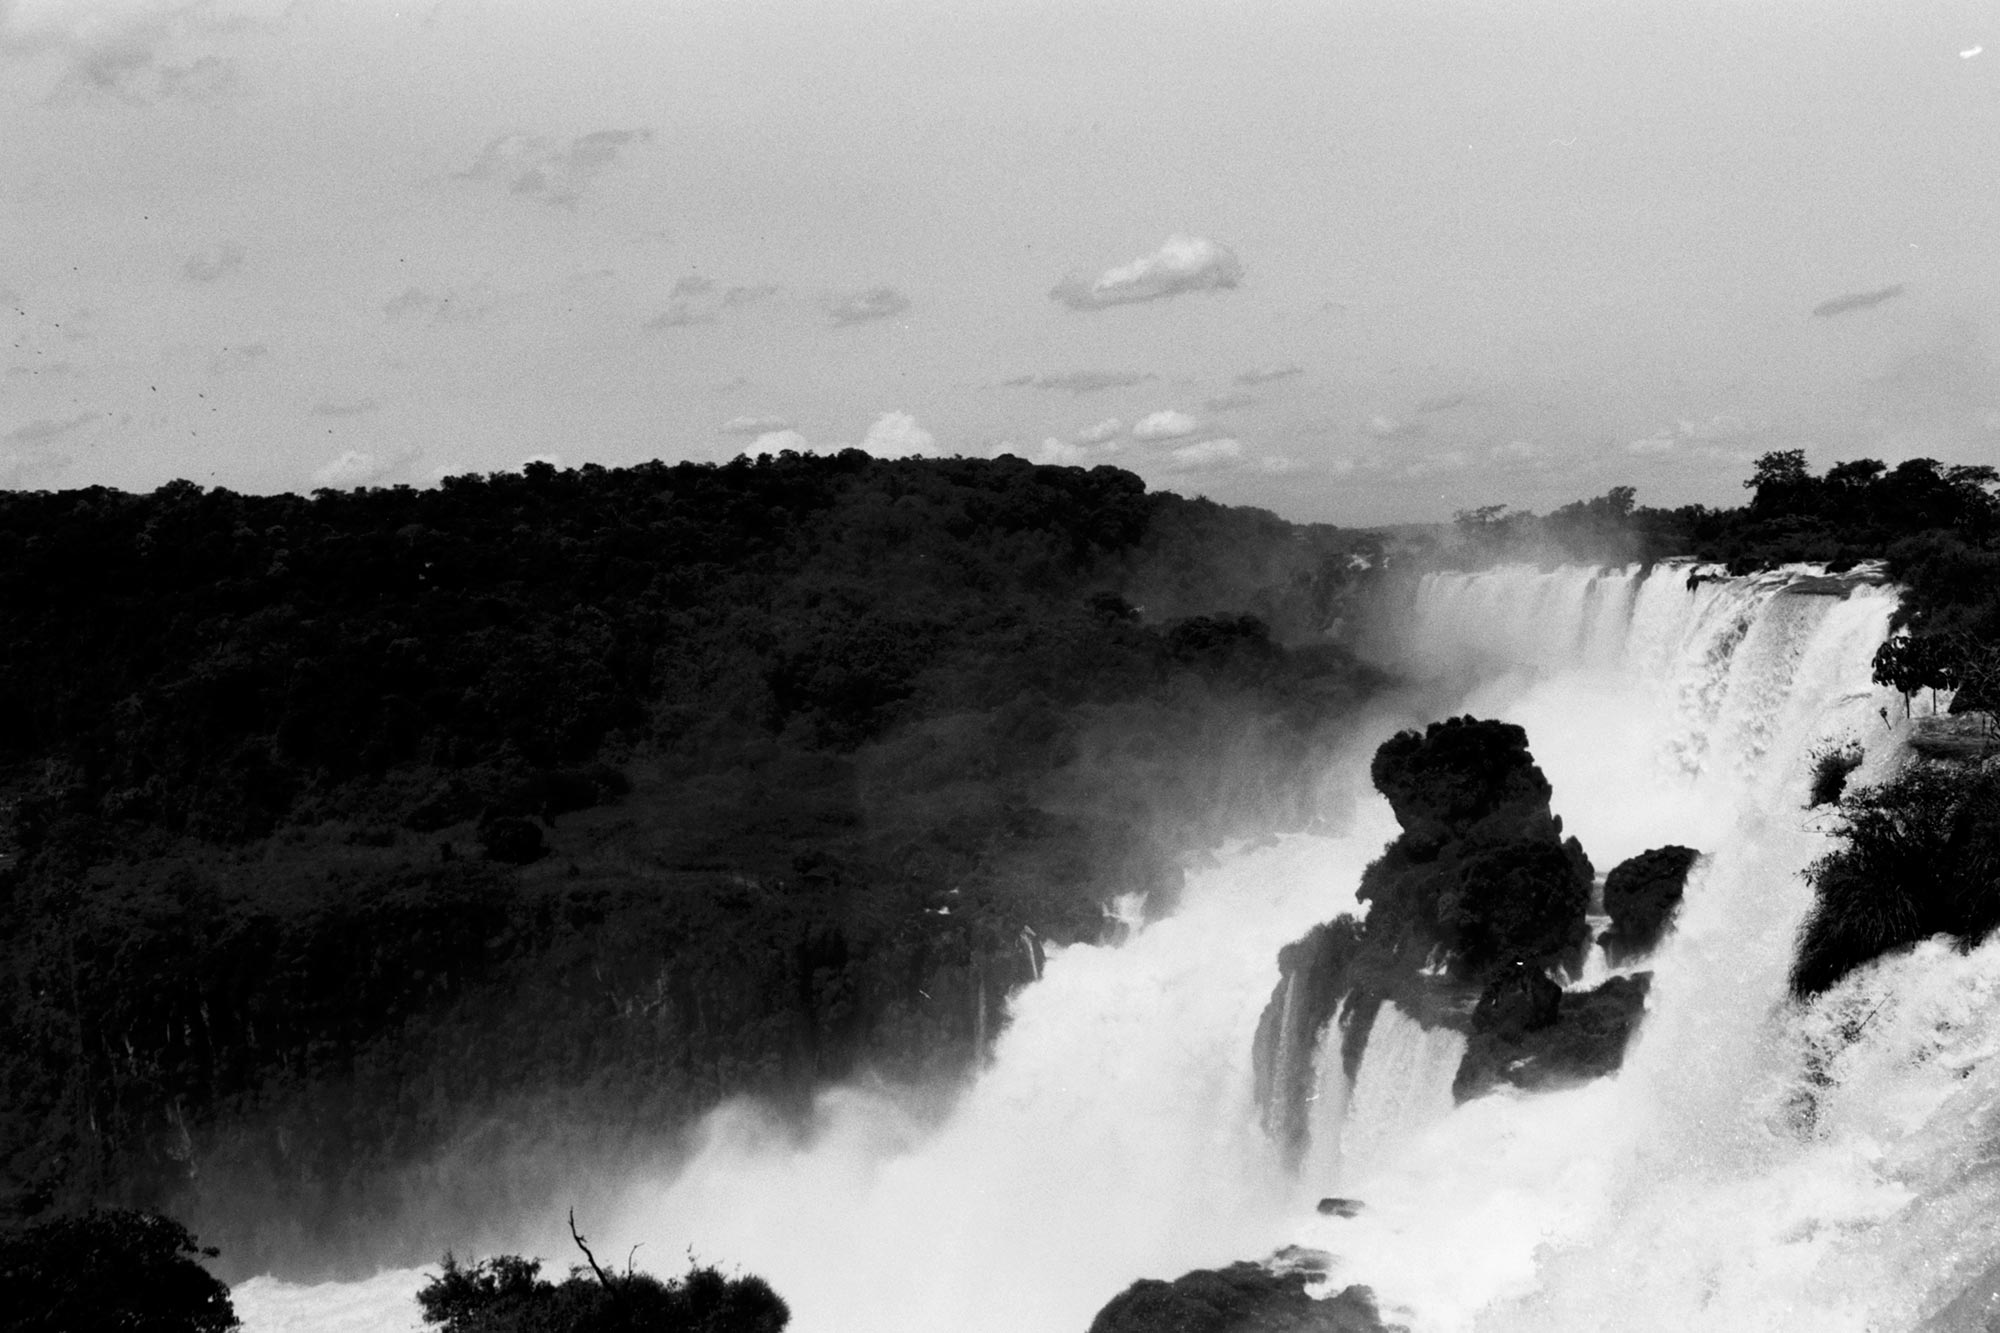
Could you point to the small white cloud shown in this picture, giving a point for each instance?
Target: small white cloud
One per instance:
(897, 435)
(1062, 453)
(1229, 402)
(1206, 456)
(1265, 374)
(1167, 425)
(754, 426)
(1183, 264)
(355, 467)
(861, 307)
(1108, 429)
(1652, 444)
(777, 441)
(213, 262)
(1389, 428)
(1519, 452)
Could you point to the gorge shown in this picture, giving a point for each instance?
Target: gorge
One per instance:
(1753, 1163)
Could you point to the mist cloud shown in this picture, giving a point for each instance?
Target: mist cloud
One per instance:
(43, 429)
(1106, 430)
(1182, 264)
(355, 467)
(1206, 456)
(897, 435)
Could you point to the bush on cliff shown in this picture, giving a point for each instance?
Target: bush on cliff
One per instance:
(1641, 896)
(1919, 855)
(1242, 1298)
(505, 1294)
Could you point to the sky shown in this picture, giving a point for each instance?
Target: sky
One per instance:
(1352, 262)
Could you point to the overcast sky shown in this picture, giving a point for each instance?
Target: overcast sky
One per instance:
(1355, 262)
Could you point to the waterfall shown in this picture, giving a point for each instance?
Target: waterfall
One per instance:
(1752, 1166)
(1402, 1088)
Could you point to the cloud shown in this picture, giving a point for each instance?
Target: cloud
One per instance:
(531, 166)
(681, 315)
(1443, 402)
(451, 306)
(360, 407)
(1229, 402)
(1519, 453)
(693, 285)
(777, 441)
(750, 295)
(18, 471)
(754, 426)
(1388, 428)
(1660, 443)
(860, 307)
(1079, 381)
(1841, 305)
(237, 358)
(1108, 429)
(897, 435)
(1265, 374)
(1451, 460)
(123, 57)
(1167, 425)
(355, 468)
(213, 262)
(1183, 264)
(43, 429)
(1061, 453)
(1206, 456)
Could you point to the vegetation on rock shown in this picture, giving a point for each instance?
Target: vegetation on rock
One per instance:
(1242, 1298)
(108, 1270)
(1918, 855)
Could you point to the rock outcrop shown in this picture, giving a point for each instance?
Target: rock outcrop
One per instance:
(1470, 910)
(1242, 1298)
(1641, 896)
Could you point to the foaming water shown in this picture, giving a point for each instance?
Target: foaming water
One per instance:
(1113, 1134)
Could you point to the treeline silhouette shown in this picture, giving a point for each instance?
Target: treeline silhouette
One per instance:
(338, 827)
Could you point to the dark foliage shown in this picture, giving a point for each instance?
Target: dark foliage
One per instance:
(1537, 1040)
(506, 1295)
(1242, 1298)
(1641, 896)
(1831, 766)
(332, 825)
(1481, 867)
(1919, 856)
(106, 1271)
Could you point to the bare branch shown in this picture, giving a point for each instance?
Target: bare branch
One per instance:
(578, 1238)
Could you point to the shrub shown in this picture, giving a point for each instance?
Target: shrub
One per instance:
(107, 1270)
(1830, 766)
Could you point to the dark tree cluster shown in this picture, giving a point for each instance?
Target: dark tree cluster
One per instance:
(332, 825)
(1918, 856)
(109, 1271)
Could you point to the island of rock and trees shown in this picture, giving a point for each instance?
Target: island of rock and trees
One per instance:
(549, 809)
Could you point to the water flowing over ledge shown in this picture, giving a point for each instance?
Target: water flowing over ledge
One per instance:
(1115, 1136)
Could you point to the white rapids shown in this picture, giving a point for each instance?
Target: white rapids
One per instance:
(1709, 1185)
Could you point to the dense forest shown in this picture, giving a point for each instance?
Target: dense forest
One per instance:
(519, 820)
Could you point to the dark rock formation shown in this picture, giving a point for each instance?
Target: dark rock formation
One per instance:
(1242, 1298)
(1533, 1040)
(1312, 981)
(1469, 910)
(1641, 896)
(1481, 867)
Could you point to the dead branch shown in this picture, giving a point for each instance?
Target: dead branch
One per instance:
(576, 1236)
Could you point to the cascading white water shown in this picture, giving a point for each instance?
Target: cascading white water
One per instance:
(1402, 1088)
(1113, 1135)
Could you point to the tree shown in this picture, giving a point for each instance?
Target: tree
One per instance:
(1782, 482)
(107, 1270)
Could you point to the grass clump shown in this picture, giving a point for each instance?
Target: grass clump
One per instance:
(1831, 765)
